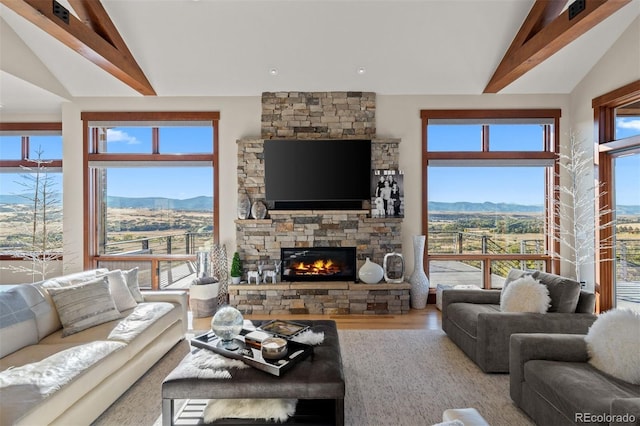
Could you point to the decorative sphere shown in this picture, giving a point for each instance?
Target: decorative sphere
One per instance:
(227, 323)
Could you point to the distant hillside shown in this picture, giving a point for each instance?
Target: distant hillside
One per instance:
(632, 210)
(205, 204)
(190, 204)
(463, 206)
(12, 199)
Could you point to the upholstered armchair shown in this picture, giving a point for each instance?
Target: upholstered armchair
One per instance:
(474, 321)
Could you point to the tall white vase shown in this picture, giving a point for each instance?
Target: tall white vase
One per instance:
(419, 282)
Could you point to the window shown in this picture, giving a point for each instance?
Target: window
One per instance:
(152, 182)
(488, 193)
(617, 118)
(31, 193)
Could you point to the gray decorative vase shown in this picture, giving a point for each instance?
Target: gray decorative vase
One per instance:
(419, 282)
(244, 206)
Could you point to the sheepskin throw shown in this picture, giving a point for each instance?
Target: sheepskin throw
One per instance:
(525, 295)
(613, 343)
(278, 410)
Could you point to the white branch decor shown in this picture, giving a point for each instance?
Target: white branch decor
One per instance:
(44, 242)
(578, 201)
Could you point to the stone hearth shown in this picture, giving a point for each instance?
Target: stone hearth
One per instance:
(322, 298)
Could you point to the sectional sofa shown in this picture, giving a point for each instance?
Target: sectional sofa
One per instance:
(71, 345)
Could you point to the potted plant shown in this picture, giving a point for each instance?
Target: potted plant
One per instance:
(236, 268)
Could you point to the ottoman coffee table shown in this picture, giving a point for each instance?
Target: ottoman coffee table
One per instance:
(317, 382)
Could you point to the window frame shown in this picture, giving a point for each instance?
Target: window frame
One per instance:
(26, 130)
(90, 190)
(550, 152)
(604, 109)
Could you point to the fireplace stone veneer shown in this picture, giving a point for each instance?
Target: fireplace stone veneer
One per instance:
(321, 298)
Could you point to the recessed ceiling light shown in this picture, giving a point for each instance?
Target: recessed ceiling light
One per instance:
(361, 70)
(273, 71)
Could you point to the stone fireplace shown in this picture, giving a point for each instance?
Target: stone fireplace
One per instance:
(317, 115)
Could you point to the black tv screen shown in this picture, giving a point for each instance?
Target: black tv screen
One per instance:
(317, 173)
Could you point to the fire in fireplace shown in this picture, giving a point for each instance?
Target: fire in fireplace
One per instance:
(318, 264)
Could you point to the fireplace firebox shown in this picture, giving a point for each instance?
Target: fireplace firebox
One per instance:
(318, 264)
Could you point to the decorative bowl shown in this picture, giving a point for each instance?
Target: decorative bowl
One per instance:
(274, 348)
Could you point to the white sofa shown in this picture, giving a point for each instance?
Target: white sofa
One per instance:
(49, 378)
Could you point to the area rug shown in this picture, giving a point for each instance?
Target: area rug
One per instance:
(399, 377)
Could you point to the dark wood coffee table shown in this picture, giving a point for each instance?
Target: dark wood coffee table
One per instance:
(317, 382)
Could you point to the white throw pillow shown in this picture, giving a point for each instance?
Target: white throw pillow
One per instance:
(120, 291)
(131, 277)
(613, 344)
(84, 306)
(525, 295)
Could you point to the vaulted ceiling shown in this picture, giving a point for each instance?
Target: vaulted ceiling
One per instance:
(135, 48)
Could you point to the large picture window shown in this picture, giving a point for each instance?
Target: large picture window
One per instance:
(31, 194)
(488, 193)
(152, 193)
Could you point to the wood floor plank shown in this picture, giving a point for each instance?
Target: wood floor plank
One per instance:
(417, 319)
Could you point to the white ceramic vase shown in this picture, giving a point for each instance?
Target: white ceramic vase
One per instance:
(370, 272)
(419, 282)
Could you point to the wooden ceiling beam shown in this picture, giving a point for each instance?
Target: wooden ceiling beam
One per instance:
(544, 32)
(103, 46)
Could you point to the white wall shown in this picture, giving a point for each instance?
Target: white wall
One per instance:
(618, 67)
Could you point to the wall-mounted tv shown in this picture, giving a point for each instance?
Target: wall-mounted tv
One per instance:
(317, 174)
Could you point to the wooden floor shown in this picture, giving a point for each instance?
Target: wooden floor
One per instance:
(416, 319)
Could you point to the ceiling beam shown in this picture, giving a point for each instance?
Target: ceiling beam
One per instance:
(103, 46)
(545, 32)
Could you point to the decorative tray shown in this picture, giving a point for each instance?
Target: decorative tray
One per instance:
(252, 355)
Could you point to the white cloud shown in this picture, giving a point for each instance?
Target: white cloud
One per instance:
(626, 123)
(120, 136)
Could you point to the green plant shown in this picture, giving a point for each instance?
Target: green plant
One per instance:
(236, 265)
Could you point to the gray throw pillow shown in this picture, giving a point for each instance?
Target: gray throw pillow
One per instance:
(564, 292)
(84, 306)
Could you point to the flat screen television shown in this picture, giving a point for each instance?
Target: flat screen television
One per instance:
(317, 174)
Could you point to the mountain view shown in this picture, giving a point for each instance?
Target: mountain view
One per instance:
(204, 203)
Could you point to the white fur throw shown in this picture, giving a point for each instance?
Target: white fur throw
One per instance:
(613, 344)
(525, 295)
(278, 410)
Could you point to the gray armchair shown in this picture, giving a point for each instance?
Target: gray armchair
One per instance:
(473, 320)
(551, 380)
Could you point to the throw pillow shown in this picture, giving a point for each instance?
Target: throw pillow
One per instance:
(564, 292)
(612, 344)
(131, 277)
(514, 274)
(84, 306)
(120, 291)
(525, 295)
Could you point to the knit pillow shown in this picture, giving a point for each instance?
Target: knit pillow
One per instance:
(525, 295)
(613, 343)
(84, 306)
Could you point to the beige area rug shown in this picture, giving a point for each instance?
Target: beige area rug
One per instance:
(393, 377)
